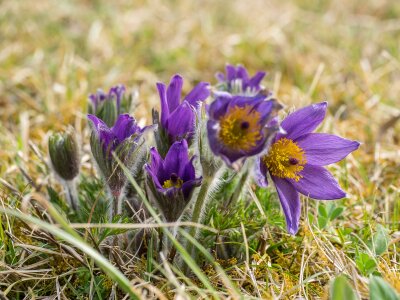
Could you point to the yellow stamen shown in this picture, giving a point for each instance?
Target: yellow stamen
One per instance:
(285, 159)
(172, 183)
(240, 128)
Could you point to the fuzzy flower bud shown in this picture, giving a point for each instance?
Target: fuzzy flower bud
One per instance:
(64, 154)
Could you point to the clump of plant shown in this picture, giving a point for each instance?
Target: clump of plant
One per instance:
(207, 146)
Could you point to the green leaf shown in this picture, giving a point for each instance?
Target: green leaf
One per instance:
(380, 240)
(322, 210)
(336, 213)
(380, 289)
(365, 264)
(322, 222)
(341, 289)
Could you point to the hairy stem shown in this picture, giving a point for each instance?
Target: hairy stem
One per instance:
(238, 190)
(197, 211)
(71, 194)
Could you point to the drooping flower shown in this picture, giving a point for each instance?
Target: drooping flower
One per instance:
(238, 126)
(107, 106)
(122, 140)
(237, 81)
(296, 162)
(178, 118)
(172, 180)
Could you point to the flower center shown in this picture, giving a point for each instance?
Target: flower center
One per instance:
(285, 159)
(173, 181)
(240, 128)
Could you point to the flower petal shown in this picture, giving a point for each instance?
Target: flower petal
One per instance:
(318, 183)
(189, 172)
(124, 127)
(260, 173)
(153, 176)
(181, 121)
(174, 92)
(164, 103)
(265, 109)
(220, 76)
(188, 187)
(97, 122)
(157, 161)
(117, 91)
(177, 158)
(230, 72)
(241, 73)
(199, 93)
(255, 81)
(105, 134)
(290, 202)
(219, 106)
(303, 121)
(323, 149)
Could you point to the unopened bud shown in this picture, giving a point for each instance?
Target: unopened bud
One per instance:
(64, 154)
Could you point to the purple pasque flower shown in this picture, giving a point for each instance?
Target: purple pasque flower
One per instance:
(115, 93)
(238, 126)
(125, 127)
(178, 117)
(122, 140)
(172, 180)
(237, 80)
(107, 106)
(296, 162)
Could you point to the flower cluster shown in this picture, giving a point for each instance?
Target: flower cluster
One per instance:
(234, 122)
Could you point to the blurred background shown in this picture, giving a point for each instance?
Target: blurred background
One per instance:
(53, 53)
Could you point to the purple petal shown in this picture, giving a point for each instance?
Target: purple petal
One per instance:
(164, 103)
(157, 166)
(188, 186)
(189, 172)
(156, 160)
(153, 176)
(247, 100)
(255, 81)
(260, 173)
(241, 73)
(124, 127)
(174, 92)
(220, 76)
(265, 109)
(303, 121)
(97, 122)
(230, 72)
(212, 132)
(323, 149)
(199, 93)
(177, 158)
(318, 183)
(181, 121)
(290, 202)
(219, 106)
(118, 91)
(105, 134)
